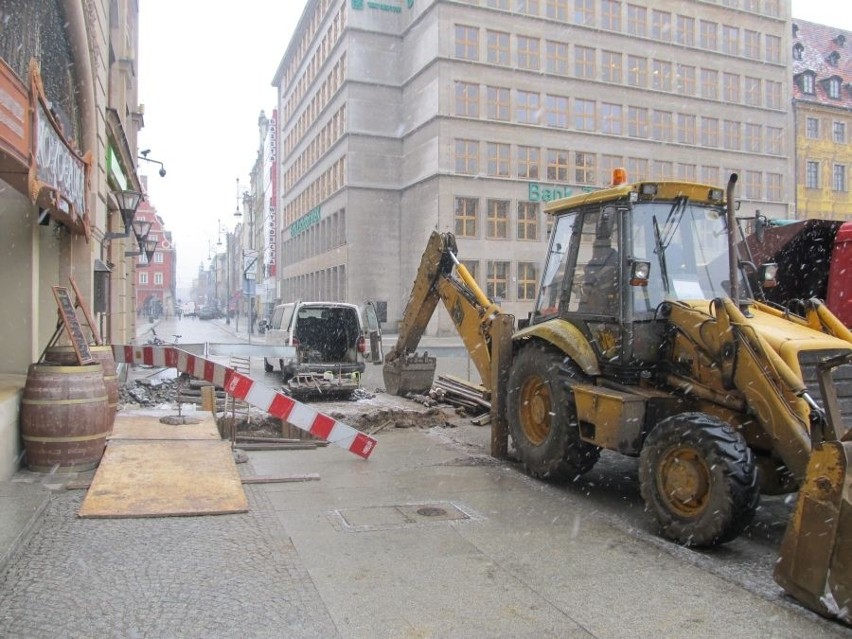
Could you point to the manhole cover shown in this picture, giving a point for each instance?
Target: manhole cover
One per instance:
(431, 511)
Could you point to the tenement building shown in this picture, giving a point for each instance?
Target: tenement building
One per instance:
(400, 117)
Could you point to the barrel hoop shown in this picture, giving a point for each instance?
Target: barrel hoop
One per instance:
(47, 402)
(79, 438)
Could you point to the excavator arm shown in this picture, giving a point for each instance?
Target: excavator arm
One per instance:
(440, 277)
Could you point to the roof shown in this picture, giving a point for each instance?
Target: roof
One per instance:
(827, 52)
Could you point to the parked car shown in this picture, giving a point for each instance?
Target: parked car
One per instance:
(333, 340)
(208, 313)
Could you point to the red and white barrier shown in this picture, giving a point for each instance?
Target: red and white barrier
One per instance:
(255, 393)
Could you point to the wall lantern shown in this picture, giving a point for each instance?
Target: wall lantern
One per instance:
(128, 202)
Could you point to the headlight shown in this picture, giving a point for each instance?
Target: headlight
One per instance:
(639, 272)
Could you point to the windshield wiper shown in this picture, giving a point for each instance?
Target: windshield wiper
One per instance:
(660, 250)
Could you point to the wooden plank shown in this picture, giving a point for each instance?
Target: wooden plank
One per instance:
(138, 427)
(165, 479)
(284, 479)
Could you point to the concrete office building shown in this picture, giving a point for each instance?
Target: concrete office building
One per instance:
(402, 117)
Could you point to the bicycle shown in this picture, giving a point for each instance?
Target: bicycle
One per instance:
(157, 341)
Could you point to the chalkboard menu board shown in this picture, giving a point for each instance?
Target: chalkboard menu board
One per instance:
(72, 325)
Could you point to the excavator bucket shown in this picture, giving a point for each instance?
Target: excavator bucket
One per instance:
(815, 563)
(410, 374)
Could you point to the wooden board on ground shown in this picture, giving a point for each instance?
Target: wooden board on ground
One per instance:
(147, 427)
(165, 479)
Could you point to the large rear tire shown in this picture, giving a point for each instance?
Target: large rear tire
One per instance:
(542, 416)
(699, 479)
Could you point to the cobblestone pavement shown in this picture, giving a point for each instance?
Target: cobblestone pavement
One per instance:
(214, 576)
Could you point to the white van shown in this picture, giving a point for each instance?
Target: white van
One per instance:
(328, 336)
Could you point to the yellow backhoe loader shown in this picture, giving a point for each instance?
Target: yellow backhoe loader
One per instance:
(647, 339)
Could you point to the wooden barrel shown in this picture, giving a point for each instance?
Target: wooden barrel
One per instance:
(103, 355)
(64, 417)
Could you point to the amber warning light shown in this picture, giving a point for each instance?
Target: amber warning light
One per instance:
(619, 176)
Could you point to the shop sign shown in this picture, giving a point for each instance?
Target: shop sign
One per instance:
(305, 222)
(61, 174)
(14, 123)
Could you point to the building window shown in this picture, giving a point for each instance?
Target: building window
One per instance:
(556, 107)
(637, 20)
(527, 281)
(731, 88)
(529, 54)
(685, 31)
(528, 108)
(557, 57)
(840, 132)
(834, 88)
(661, 126)
(663, 170)
(753, 91)
(608, 164)
(527, 221)
(158, 279)
(467, 42)
(584, 62)
(709, 132)
(611, 118)
(496, 280)
(611, 66)
(498, 159)
(685, 128)
(753, 137)
(685, 79)
(497, 103)
(709, 84)
(637, 122)
(774, 140)
(557, 165)
(528, 7)
(730, 40)
(773, 187)
(812, 174)
(686, 172)
(808, 83)
(611, 15)
(472, 267)
(557, 10)
(528, 162)
(584, 115)
(584, 168)
(753, 185)
(158, 258)
(751, 44)
(773, 49)
(637, 169)
(731, 135)
(497, 219)
(661, 25)
(812, 128)
(143, 277)
(838, 178)
(773, 94)
(637, 71)
(466, 212)
(798, 50)
(467, 99)
(467, 157)
(707, 35)
(497, 48)
(710, 174)
(661, 75)
(584, 12)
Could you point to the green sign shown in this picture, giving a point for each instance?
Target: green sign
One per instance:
(114, 169)
(305, 222)
(545, 193)
(358, 5)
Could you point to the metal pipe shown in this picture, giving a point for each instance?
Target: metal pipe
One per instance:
(733, 267)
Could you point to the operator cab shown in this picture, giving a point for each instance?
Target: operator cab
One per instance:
(616, 255)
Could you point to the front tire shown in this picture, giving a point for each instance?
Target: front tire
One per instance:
(699, 479)
(542, 416)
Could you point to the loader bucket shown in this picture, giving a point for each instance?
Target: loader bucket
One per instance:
(409, 374)
(815, 563)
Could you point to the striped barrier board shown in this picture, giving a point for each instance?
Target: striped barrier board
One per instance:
(249, 390)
